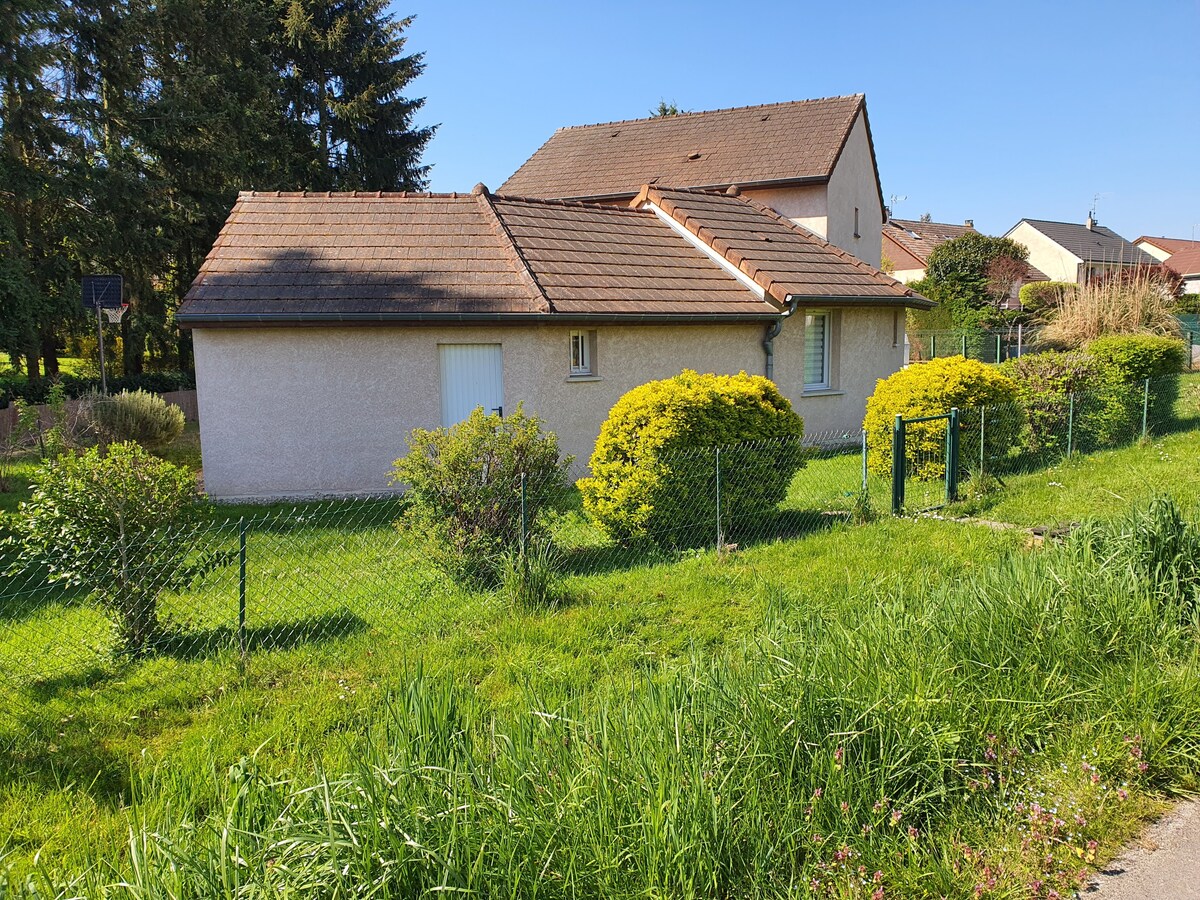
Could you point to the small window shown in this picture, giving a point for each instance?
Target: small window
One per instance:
(856, 234)
(816, 351)
(582, 353)
(895, 328)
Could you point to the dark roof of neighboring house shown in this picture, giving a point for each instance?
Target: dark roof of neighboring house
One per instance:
(404, 257)
(1170, 245)
(1095, 244)
(750, 145)
(1185, 262)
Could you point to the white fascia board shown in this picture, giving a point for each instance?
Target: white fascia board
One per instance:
(749, 283)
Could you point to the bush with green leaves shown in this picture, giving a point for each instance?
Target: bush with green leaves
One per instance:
(1058, 391)
(1041, 299)
(1135, 357)
(654, 465)
(931, 389)
(463, 489)
(137, 416)
(101, 520)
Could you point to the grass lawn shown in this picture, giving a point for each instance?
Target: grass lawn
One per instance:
(68, 365)
(895, 630)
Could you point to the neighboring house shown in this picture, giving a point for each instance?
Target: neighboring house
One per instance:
(1179, 255)
(1187, 264)
(811, 160)
(907, 244)
(1161, 248)
(1066, 251)
(327, 326)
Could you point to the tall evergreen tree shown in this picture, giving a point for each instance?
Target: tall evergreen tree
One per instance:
(346, 76)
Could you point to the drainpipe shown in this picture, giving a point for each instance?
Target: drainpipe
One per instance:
(773, 332)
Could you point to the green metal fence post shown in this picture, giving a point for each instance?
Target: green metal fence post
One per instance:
(1146, 409)
(524, 515)
(1070, 424)
(864, 461)
(933, 345)
(998, 359)
(242, 596)
(964, 345)
(952, 459)
(982, 441)
(898, 465)
(720, 536)
(1191, 350)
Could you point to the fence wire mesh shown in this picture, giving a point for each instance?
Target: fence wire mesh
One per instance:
(343, 579)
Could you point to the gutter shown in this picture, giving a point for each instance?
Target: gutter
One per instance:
(199, 320)
(772, 332)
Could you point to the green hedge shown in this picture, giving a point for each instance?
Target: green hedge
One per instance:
(19, 388)
(1136, 357)
(1039, 296)
(653, 469)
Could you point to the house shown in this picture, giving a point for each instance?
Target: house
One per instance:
(327, 326)
(1178, 255)
(812, 161)
(907, 244)
(1066, 251)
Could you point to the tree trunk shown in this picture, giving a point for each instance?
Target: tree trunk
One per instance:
(50, 353)
(33, 366)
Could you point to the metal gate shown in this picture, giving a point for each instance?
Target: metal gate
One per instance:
(925, 462)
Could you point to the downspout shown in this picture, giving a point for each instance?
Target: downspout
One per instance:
(773, 330)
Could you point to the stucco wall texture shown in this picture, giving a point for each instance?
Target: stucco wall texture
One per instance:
(306, 412)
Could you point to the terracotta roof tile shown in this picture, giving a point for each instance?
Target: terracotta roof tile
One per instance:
(746, 145)
(1170, 245)
(1185, 262)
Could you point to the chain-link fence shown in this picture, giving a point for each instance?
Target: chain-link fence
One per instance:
(311, 577)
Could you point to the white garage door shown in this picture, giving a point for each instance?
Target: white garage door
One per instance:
(471, 375)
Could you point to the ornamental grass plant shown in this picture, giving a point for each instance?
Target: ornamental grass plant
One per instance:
(1138, 304)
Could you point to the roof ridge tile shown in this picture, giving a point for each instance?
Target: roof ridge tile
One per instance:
(705, 112)
(513, 251)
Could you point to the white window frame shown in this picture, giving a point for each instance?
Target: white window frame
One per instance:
(824, 384)
(586, 366)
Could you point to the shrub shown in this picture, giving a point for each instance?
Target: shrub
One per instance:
(927, 389)
(18, 387)
(137, 416)
(1134, 305)
(1103, 413)
(653, 473)
(464, 489)
(94, 520)
(1040, 300)
(1136, 357)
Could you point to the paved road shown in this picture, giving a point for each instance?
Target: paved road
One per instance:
(1164, 864)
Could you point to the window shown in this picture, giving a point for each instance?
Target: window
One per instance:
(816, 351)
(582, 353)
(856, 234)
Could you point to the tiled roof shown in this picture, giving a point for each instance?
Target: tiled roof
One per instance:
(785, 259)
(919, 238)
(1170, 245)
(747, 145)
(1185, 262)
(1095, 244)
(354, 257)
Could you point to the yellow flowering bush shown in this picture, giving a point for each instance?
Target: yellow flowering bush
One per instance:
(653, 468)
(930, 389)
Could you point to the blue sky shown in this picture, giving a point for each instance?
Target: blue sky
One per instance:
(989, 111)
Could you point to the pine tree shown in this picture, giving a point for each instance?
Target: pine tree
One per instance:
(346, 76)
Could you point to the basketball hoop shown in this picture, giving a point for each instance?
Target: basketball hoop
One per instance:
(114, 313)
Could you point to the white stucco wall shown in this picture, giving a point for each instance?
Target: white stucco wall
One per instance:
(851, 185)
(302, 412)
(804, 204)
(1153, 249)
(1044, 254)
(904, 276)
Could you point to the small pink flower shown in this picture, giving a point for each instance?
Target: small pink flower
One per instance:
(866, 829)
(912, 832)
(838, 755)
(845, 807)
(896, 815)
(1122, 793)
(817, 794)
(877, 894)
(877, 877)
(1142, 767)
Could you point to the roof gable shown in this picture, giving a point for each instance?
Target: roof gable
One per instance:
(1169, 245)
(787, 260)
(919, 238)
(1185, 262)
(770, 144)
(1095, 244)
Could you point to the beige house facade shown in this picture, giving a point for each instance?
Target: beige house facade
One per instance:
(1079, 253)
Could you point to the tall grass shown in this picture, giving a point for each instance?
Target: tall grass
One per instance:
(986, 738)
(1137, 304)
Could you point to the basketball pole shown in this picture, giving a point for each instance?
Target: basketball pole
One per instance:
(100, 335)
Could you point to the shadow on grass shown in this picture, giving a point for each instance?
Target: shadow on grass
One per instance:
(671, 546)
(188, 645)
